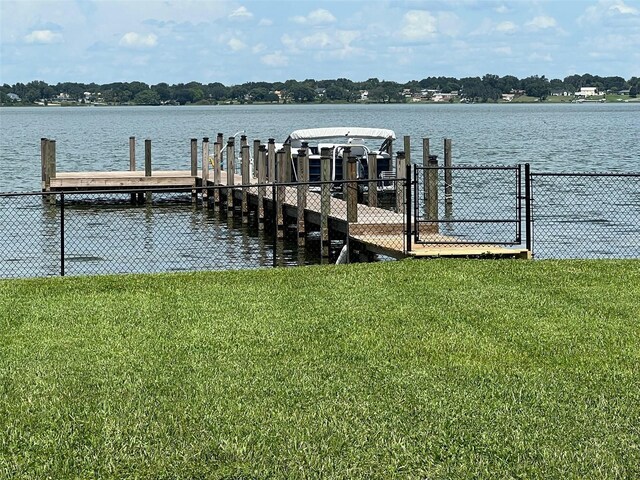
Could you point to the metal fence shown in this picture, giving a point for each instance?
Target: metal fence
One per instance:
(586, 215)
(134, 231)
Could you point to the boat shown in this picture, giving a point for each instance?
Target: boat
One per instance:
(358, 139)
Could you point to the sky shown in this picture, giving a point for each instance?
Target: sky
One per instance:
(234, 42)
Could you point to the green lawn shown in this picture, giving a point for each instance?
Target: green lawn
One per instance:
(414, 369)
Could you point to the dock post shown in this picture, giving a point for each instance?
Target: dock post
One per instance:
(271, 160)
(132, 161)
(245, 182)
(289, 162)
(217, 173)
(281, 192)
(147, 165)
(303, 189)
(194, 166)
(325, 199)
(256, 149)
(426, 148)
(448, 177)
(220, 139)
(372, 165)
(243, 141)
(401, 166)
(205, 170)
(352, 190)
(431, 191)
(51, 167)
(44, 144)
(262, 180)
(231, 170)
(407, 153)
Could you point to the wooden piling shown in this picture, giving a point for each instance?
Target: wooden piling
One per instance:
(352, 190)
(426, 151)
(262, 180)
(147, 165)
(303, 190)
(51, 159)
(220, 138)
(244, 167)
(407, 151)
(243, 141)
(372, 164)
(287, 152)
(401, 167)
(448, 174)
(346, 153)
(231, 169)
(132, 154)
(325, 199)
(44, 144)
(217, 172)
(205, 169)
(431, 191)
(256, 149)
(271, 160)
(280, 191)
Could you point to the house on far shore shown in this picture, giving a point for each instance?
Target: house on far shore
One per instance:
(13, 97)
(624, 92)
(587, 92)
(507, 97)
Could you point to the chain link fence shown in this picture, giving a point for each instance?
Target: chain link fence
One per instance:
(586, 215)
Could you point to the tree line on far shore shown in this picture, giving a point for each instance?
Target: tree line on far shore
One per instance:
(477, 89)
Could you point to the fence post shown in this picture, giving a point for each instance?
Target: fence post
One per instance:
(262, 189)
(527, 207)
(231, 170)
(448, 174)
(205, 168)
(352, 191)
(400, 172)
(325, 199)
(408, 208)
(245, 182)
(62, 219)
(372, 165)
(303, 188)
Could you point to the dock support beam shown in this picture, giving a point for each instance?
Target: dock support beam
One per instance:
(217, 173)
(194, 167)
(245, 181)
(231, 169)
(205, 170)
(280, 191)
(352, 191)
(256, 149)
(372, 165)
(147, 165)
(271, 160)
(262, 180)
(303, 189)
(448, 177)
(325, 199)
(132, 161)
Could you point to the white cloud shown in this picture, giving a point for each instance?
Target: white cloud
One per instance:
(258, 48)
(236, 44)
(502, 9)
(419, 25)
(241, 13)
(506, 27)
(607, 9)
(133, 39)
(265, 22)
(276, 59)
(43, 36)
(542, 22)
(317, 17)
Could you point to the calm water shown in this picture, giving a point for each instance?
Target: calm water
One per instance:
(573, 137)
(557, 138)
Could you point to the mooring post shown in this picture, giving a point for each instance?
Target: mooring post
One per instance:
(132, 154)
(205, 171)
(220, 140)
(44, 143)
(407, 153)
(448, 176)
(51, 166)
(217, 173)
(147, 165)
(352, 190)
(325, 199)
(401, 166)
(231, 170)
(346, 153)
(281, 192)
(289, 162)
(262, 180)
(245, 182)
(243, 141)
(431, 190)
(372, 165)
(256, 149)
(271, 160)
(194, 167)
(303, 189)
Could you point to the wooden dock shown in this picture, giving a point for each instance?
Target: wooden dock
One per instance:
(369, 229)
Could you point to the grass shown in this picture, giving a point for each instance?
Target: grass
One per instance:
(415, 369)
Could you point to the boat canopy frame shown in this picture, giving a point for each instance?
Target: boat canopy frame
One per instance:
(340, 132)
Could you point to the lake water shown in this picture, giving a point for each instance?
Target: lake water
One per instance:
(552, 138)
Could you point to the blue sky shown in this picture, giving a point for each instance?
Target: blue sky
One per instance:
(234, 42)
